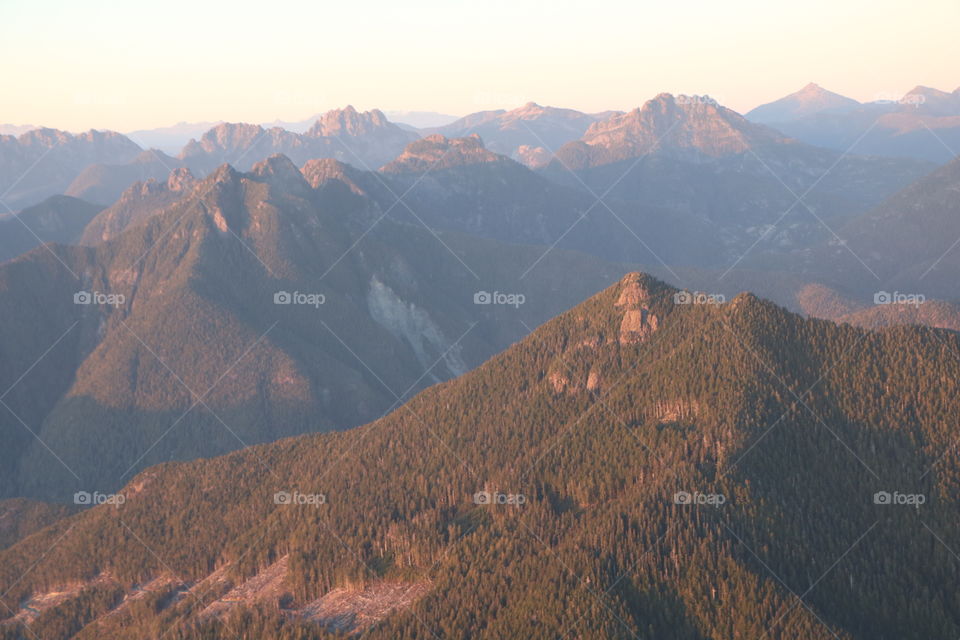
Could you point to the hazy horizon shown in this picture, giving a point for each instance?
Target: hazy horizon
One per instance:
(132, 68)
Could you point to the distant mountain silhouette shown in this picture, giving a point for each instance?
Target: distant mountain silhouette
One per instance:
(810, 100)
(924, 123)
(531, 126)
(366, 138)
(43, 162)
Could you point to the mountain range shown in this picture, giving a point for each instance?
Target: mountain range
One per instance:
(367, 139)
(178, 333)
(51, 161)
(529, 134)
(43, 162)
(753, 185)
(634, 468)
(672, 372)
(60, 219)
(908, 243)
(924, 123)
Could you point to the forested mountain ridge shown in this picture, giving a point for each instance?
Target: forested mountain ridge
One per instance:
(187, 350)
(668, 470)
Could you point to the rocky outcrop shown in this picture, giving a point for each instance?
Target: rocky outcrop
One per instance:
(690, 127)
(436, 152)
(638, 321)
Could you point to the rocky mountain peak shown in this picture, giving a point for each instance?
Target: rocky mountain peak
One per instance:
(681, 123)
(320, 171)
(534, 157)
(180, 179)
(440, 152)
(809, 100)
(530, 110)
(279, 171)
(349, 122)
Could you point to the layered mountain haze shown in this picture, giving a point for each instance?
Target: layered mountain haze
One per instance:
(924, 124)
(669, 373)
(450, 321)
(527, 133)
(908, 242)
(457, 184)
(43, 162)
(751, 185)
(16, 129)
(56, 219)
(810, 100)
(182, 350)
(136, 204)
(666, 470)
(105, 183)
(171, 139)
(687, 126)
(365, 139)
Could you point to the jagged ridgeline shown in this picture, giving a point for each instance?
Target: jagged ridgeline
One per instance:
(635, 468)
(196, 359)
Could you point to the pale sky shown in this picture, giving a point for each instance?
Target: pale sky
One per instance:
(131, 64)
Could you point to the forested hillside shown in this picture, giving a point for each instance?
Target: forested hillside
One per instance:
(635, 468)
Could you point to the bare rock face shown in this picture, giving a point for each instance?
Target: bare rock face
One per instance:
(533, 157)
(180, 180)
(638, 321)
(320, 171)
(438, 152)
(349, 122)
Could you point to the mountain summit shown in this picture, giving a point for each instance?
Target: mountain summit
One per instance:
(349, 122)
(810, 100)
(532, 126)
(686, 126)
(366, 138)
(637, 467)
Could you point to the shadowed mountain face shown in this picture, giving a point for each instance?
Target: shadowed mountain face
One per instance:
(365, 139)
(105, 183)
(20, 517)
(136, 204)
(757, 189)
(907, 243)
(923, 124)
(634, 467)
(457, 184)
(43, 162)
(179, 347)
(519, 133)
(56, 219)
